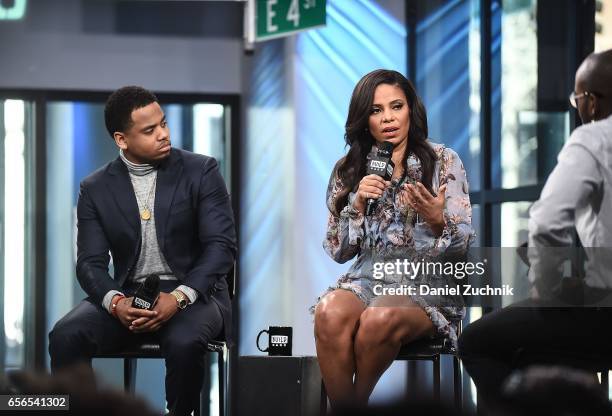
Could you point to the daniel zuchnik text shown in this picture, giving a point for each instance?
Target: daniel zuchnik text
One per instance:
(425, 290)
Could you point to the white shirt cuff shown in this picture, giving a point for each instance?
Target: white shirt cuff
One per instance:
(191, 294)
(108, 298)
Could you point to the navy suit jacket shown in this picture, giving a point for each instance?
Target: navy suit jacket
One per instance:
(193, 219)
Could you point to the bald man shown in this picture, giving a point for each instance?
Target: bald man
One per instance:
(577, 195)
(592, 94)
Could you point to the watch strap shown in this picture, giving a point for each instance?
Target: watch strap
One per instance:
(181, 299)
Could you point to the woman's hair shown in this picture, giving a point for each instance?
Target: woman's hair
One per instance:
(352, 167)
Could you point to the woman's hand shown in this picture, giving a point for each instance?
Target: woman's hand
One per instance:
(430, 208)
(370, 187)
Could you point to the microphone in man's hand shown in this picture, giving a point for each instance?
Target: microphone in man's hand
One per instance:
(147, 293)
(382, 166)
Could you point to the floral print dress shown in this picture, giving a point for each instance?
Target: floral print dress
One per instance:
(395, 232)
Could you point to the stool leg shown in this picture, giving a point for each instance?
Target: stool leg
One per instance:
(436, 378)
(323, 403)
(222, 384)
(129, 374)
(458, 383)
(411, 378)
(198, 409)
(203, 406)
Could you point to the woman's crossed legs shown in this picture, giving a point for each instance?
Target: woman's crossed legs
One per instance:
(355, 344)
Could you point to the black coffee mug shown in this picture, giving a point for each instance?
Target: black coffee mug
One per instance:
(279, 340)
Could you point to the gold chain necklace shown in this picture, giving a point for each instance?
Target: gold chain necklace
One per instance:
(145, 213)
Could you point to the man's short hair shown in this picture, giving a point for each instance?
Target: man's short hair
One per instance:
(121, 103)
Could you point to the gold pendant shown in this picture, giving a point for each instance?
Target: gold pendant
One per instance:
(145, 214)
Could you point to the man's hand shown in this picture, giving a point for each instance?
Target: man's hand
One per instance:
(165, 308)
(126, 314)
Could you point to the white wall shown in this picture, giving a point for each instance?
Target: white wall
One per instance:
(55, 47)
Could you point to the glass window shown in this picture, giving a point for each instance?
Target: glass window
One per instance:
(603, 25)
(16, 139)
(448, 77)
(525, 140)
(514, 232)
(476, 224)
(519, 80)
(515, 227)
(473, 161)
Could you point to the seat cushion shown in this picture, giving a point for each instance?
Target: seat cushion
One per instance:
(150, 348)
(425, 349)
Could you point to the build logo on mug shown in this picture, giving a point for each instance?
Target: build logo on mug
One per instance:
(279, 340)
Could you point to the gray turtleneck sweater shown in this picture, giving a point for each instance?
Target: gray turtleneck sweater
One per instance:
(151, 260)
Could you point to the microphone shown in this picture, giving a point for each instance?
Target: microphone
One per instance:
(147, 293)
(382, 166)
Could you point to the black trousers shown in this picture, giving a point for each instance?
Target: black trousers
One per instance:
(529, 332)
(89, 328)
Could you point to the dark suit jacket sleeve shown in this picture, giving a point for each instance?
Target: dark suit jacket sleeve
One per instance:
(216, 232)
(92, 250)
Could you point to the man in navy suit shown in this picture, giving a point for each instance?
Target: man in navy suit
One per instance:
(156, 210)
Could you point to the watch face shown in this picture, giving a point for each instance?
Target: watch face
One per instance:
(180, 300)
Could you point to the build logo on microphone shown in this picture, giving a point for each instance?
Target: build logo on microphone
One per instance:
(378, 165)
(142, 303)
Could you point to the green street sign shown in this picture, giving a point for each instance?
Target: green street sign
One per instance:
(15, 12)
(277, 18)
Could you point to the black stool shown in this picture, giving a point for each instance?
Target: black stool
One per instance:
(151, 349)
(432, 350)
(425, 350)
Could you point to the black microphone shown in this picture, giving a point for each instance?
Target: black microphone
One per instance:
(382, 166)
(147, 293)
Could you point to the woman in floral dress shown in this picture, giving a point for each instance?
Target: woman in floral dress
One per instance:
(422, 214)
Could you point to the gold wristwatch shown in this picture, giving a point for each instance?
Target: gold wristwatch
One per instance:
(181, 299)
